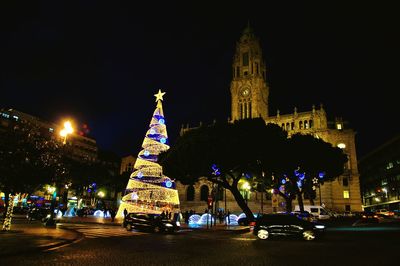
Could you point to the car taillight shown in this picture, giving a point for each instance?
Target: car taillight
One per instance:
(375, 216)
(252, 223)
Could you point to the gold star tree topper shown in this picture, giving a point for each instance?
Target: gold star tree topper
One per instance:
(159, 96)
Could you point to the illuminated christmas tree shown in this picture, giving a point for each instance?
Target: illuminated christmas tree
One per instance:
(148, 190)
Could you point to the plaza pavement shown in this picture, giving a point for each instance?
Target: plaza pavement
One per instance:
(27, 236)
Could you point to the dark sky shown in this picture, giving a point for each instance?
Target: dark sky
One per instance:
(101, 63)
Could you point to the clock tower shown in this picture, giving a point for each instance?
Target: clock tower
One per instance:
(249, 90)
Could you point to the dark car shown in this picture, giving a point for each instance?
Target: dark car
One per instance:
(287, 225)
(305, 215)
(37, 213)
(150, 222)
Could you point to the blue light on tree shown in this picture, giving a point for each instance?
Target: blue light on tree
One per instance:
(216, 171)
(302, 176)
(299, 184)
(321, 175)
(161, 121)
(163, 140)
(146, 153)
(283, 181)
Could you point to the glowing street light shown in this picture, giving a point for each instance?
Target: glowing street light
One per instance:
(68, 129)
(101, 194)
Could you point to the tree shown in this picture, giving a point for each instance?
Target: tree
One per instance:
(308, 163)
(29, 158)
(225, 153)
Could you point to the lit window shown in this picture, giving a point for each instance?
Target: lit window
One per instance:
(346, 194)
(339, 126)
(342, 145)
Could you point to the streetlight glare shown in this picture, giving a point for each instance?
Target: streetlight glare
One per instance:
(63, 133)
(68, 127)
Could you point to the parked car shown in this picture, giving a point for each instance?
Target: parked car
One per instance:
(150, 222)
(384, 212)
(37, 213)
(270, 225)
(317, 211)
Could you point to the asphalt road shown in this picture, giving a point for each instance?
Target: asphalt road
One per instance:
(112, 245)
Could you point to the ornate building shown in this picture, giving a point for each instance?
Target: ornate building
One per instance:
(249, 98)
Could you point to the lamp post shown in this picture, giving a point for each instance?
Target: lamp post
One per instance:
(67, 130)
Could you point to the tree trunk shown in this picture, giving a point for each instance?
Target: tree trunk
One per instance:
(242, 204)
(7, 219)
(6, 198)
(300, 201)
(312, 201)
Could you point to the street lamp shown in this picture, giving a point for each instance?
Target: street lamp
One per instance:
(66, 131)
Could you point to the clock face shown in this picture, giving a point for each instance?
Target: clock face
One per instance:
(245, 92)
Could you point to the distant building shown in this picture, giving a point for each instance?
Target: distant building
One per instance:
(380, 177)
(249, 99)
(127, 164)
(79, 147)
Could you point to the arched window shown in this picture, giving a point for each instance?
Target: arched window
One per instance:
(311, 123)
(300, 124)
(287, 126)
(204, 192)
(283, 125)
(305, 124)
(292, 126)
(190, 193)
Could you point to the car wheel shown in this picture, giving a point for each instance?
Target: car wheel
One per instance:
(262, 234)
(156, 229)
(129, 227)
(308, 235)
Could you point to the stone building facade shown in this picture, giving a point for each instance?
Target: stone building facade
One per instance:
(249, 98)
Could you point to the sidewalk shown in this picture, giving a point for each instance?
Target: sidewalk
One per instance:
(33, 237)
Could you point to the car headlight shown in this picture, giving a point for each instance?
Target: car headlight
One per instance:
(48, 216)
(320, 226)
(168, 225)
(178, 224)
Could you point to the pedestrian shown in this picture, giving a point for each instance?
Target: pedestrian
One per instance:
(112, 214)
(125, 213)
(163, 215)
(229, 217)
(186, 217)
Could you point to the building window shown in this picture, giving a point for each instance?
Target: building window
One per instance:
(300, 124)
(306, 124)
(346, 194)
(204, 193)
(245, 73)
(292, 126)
(238, 72)
(339, 126)
(245, 59)
(287, 126)
(190, 193)
(311, 124)
(347, 208)
(345, 182)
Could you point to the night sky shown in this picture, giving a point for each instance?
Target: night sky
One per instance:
(101, 63)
